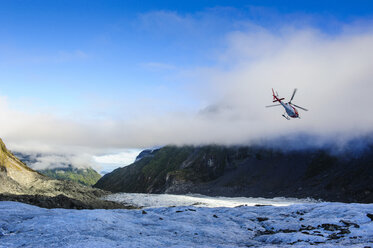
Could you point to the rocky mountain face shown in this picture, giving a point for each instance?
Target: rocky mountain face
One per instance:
(248, 171)
(19, 182)
(15, 176)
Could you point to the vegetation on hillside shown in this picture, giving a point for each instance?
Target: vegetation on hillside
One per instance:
(84, 176)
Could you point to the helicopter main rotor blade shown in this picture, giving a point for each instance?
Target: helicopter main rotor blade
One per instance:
(274, 105)
(299, 107)
(295, 91)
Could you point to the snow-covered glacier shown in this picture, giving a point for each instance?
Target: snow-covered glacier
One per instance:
(298, 224)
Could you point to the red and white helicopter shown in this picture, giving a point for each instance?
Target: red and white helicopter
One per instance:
(290, 110)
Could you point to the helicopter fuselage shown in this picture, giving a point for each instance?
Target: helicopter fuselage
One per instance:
(290, 110)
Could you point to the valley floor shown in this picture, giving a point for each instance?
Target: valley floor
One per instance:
(322, 224)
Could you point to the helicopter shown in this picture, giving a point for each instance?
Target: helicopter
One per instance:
(290, 110)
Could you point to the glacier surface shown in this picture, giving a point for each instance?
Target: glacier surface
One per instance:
(168, 200)
(300, 225)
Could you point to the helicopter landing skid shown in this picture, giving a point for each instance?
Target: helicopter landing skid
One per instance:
(286, 117)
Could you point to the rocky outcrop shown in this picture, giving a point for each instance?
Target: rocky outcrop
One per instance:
(248, 171)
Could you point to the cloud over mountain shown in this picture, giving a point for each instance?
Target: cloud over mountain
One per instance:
(333, 73)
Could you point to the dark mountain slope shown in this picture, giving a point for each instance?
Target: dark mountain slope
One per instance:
(148, 172)
(248, 171)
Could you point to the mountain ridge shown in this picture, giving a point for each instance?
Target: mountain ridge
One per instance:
(247, 171)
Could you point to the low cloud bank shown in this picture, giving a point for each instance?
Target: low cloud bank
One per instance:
(42, 161)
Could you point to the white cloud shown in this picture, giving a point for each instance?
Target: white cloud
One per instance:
(51, 161)
(121, 159)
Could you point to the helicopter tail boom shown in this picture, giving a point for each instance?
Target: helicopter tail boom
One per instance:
(275, 98)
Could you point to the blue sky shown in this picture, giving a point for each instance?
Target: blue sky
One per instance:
(66, 54)
(119, 69)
